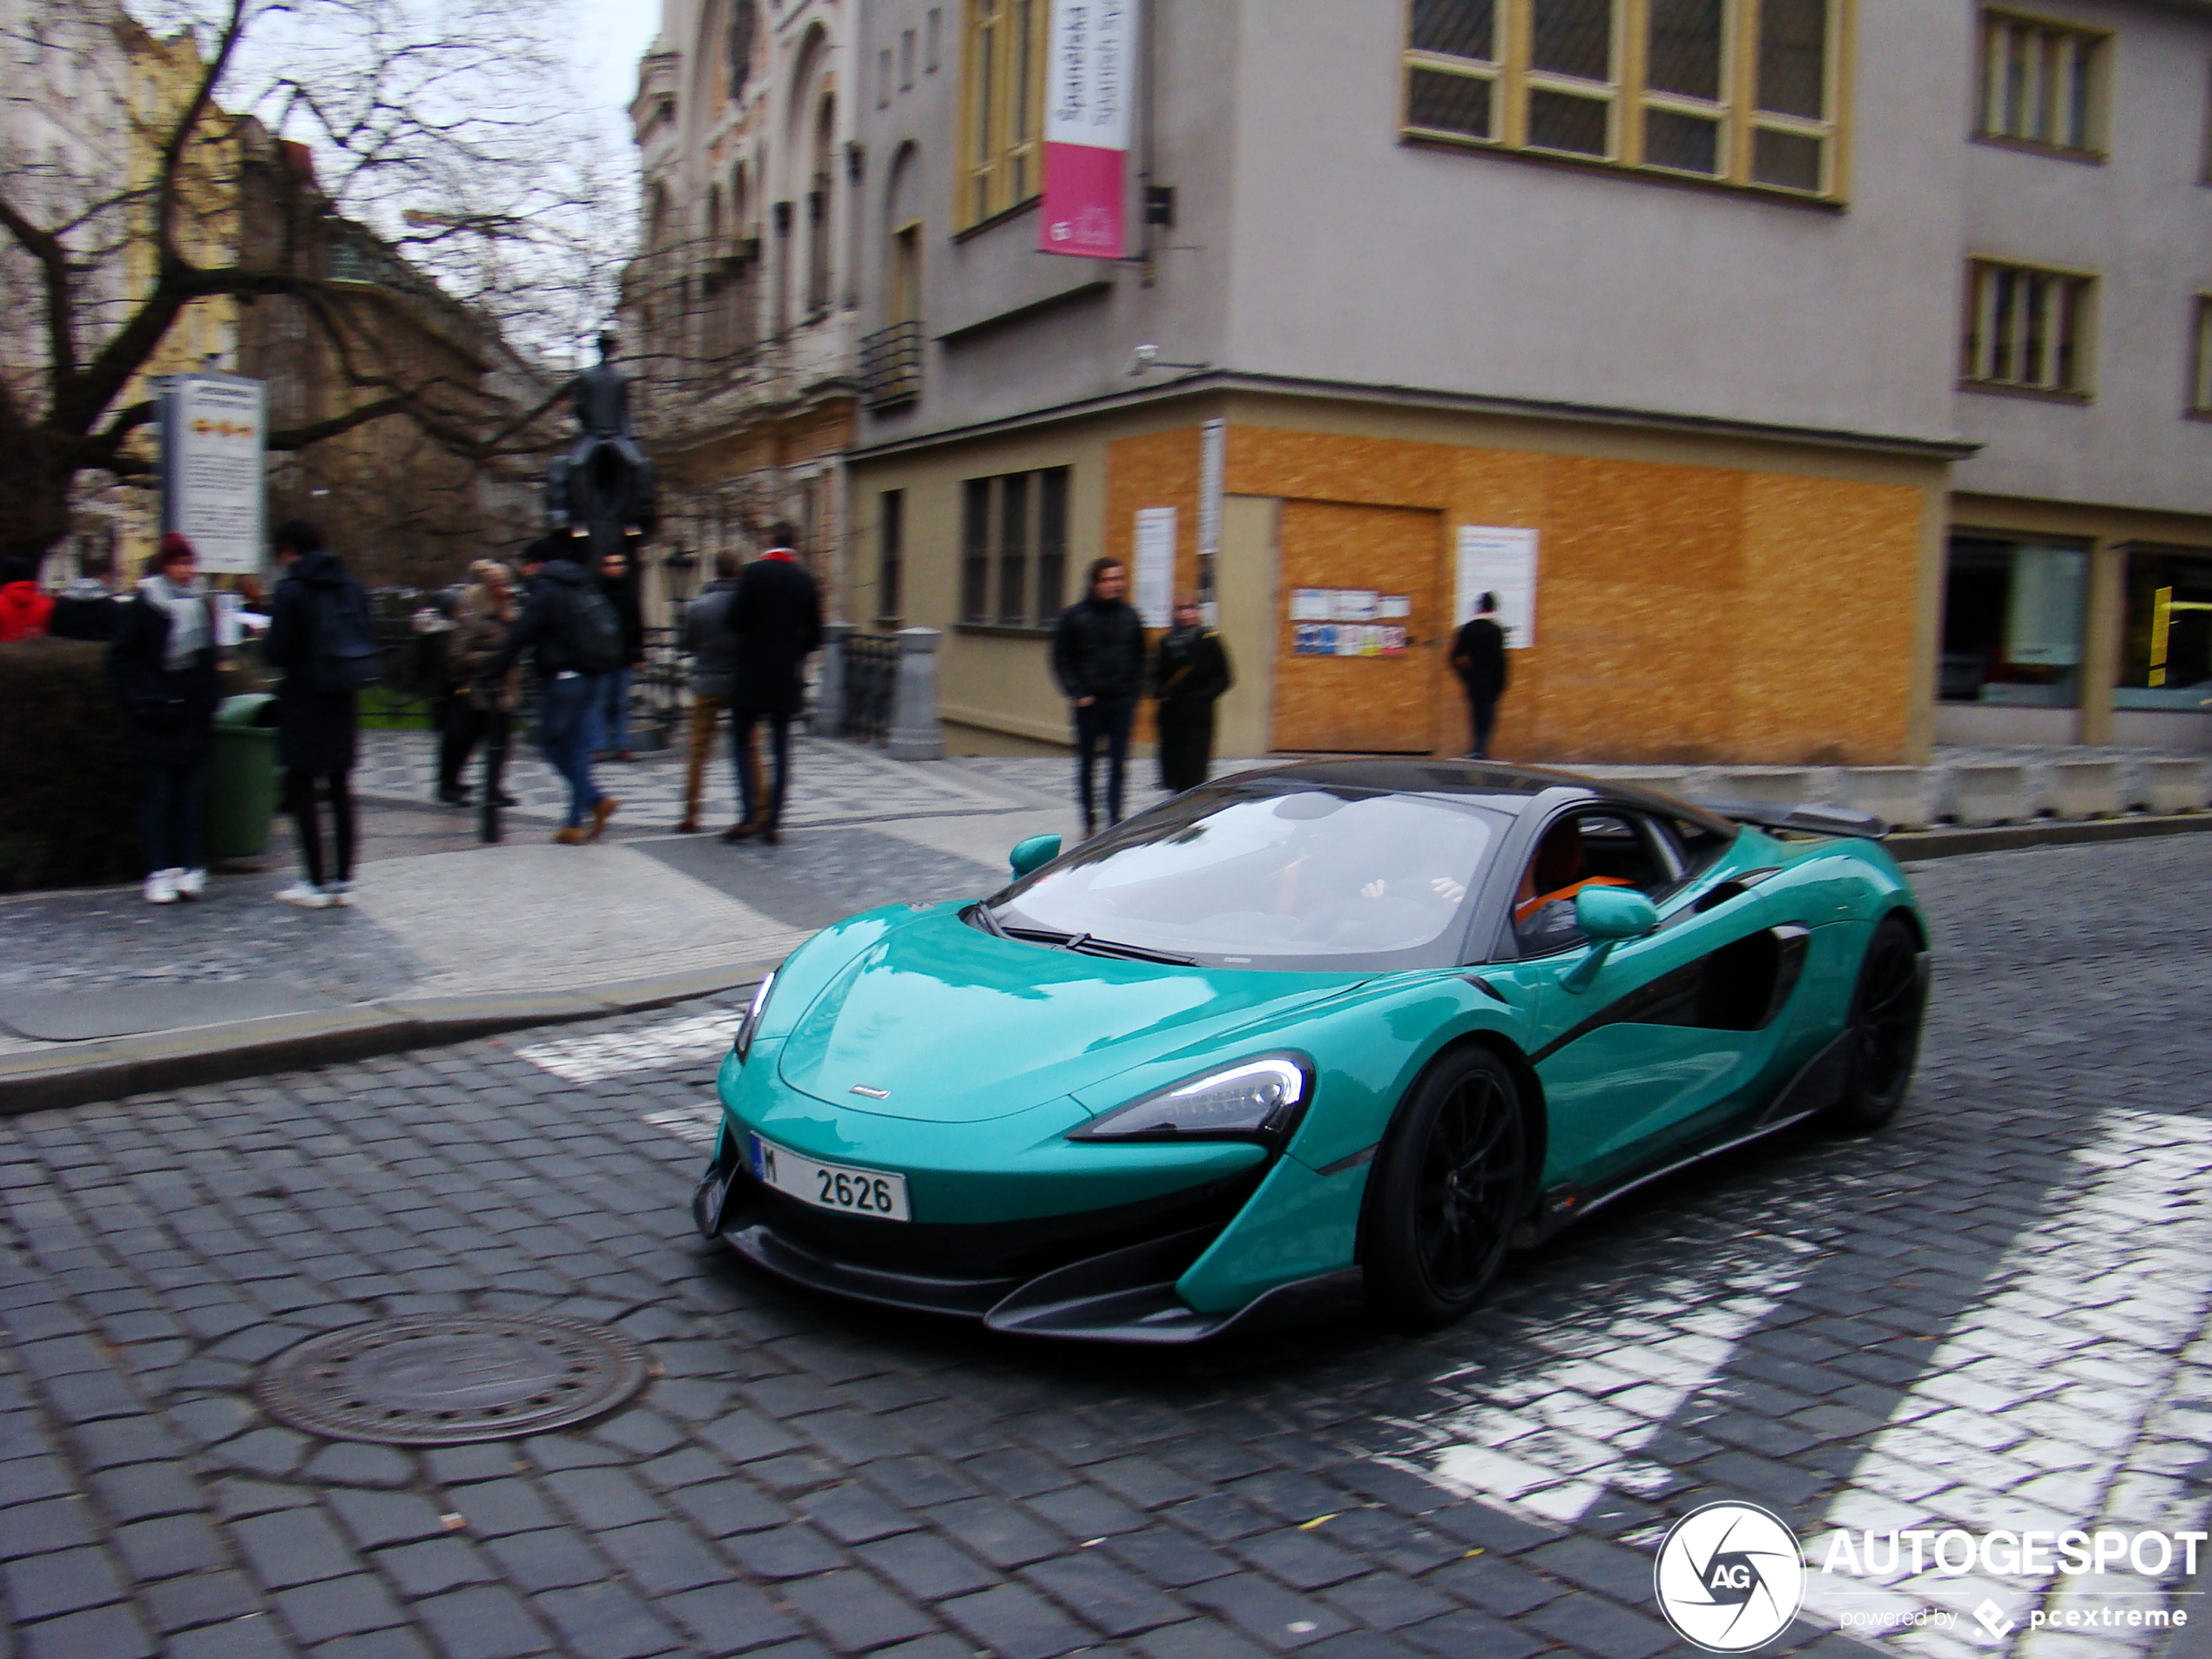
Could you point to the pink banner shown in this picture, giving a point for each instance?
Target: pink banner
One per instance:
(1084, 197)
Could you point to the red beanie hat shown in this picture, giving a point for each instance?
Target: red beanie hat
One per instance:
(174, 547)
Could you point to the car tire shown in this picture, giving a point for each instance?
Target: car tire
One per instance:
(1449, 1185)
(1887, 1009)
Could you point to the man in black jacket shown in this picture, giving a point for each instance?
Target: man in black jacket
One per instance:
(777, 616)
(315, 725)
(1189, 673)
(546, 628)
(1479, 659)
(1098, 657)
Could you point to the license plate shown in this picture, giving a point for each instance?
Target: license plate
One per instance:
(831, 1186)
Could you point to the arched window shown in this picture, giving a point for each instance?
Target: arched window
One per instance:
(744, 27)
(818, 195)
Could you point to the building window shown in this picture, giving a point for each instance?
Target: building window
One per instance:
(1013, 540)
(1002, 99)
(2167, 657)
(883, 79)
(2200, 358)
(1737, 92)
(2012, 622)
(907, 61)
(891, 554)
(2041, 83)
(936, 39)
(2027, 330)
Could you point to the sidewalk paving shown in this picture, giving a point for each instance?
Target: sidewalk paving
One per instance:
(447, 938)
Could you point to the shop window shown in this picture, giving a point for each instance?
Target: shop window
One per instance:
(1738, 91)
(1014, 538)
(2012, 624)
(2027, 330)
(2167, 655)
(2042, 83)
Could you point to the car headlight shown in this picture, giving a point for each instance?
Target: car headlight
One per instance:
(749, 1027)
(1259, 1100)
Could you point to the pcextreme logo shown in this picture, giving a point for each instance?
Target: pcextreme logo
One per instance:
(1729, 1576)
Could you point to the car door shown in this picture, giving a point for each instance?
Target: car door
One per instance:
(1667, 1038)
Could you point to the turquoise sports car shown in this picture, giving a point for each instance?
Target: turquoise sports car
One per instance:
(1338, 1029)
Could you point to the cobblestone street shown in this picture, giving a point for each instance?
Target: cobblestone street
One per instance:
(1993, 1314)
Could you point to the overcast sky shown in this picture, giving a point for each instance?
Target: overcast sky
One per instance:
(614, 36)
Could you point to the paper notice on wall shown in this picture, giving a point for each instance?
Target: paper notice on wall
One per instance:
(1357, 604)
(1154, 595)
(1312, 604)
(1313, 639)
(1501, 561)
(1395, 604)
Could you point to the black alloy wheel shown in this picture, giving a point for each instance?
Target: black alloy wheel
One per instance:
(1884, 1036)
(1450, 1184)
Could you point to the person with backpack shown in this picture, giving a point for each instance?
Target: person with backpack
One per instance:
(322, 639)
(575, 637)
(162, 661)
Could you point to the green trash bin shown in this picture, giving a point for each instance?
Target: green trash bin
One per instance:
(241, 796)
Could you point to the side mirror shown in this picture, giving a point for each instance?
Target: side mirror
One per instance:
(1610, 915)
(1033, 854)
(1607, 916)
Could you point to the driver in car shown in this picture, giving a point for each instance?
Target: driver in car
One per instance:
(1543, 910)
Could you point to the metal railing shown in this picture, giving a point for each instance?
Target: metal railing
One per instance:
(891, 364)
(871, 686)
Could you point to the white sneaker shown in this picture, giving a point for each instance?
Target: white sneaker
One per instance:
(161, 886)
(306, 895)
(191, 884)
(339, 891)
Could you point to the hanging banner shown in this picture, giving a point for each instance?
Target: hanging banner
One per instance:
(214, 476)
(1155, 585)
(1087, 129)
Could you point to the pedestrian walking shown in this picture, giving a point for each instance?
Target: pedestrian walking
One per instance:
(713, 649)
(573, 633)
(482, 615)
(1479, 659)
(619, 582)
(322, 638)
(1098, 657)
(1189, 672)
(161, 660)
(24, 608)
(776, 616)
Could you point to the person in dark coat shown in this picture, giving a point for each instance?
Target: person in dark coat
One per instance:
(1189, 672)
(315, 728)
(713, 649)
(1479, 659)
(619, 582)
(777, 616)
(546, 631)
(1098, 657)
(161, 660)
(482, 616)
(85, 609)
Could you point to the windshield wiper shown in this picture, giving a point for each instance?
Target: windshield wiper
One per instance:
(1087, 944)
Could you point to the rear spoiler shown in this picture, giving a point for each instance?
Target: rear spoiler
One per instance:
(1802, 819)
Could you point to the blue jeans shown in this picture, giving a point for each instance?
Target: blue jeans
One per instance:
(1104, 725)
(565, 728)
(169, 805)
(613, 706)
(758, 801)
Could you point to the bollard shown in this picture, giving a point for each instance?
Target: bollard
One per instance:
(916, 732)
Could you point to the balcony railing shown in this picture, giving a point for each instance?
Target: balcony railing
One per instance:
(891, 365)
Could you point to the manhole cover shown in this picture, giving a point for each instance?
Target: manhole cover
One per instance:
(445, 1379)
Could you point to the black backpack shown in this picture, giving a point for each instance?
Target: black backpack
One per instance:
(345, 637)
(594, 642)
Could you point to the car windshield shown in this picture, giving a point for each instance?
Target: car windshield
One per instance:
(1294, 877)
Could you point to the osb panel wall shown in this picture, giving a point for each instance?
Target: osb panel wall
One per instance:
(1361, 704)
(1683, 613)
(1156, 469)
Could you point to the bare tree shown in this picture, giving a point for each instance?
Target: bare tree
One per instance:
(404, 194)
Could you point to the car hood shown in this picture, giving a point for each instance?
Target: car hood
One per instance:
(954, 1025)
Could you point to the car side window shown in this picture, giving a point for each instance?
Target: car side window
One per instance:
(1701, 846)
(1602, 848)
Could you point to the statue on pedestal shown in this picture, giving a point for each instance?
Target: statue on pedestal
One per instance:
(602, 488)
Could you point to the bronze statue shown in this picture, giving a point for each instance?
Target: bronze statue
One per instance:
(602, 488)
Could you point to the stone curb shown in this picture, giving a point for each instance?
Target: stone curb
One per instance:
(1921, 844)
(81, 1072)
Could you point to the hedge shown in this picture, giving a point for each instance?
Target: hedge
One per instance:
(69, 800)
